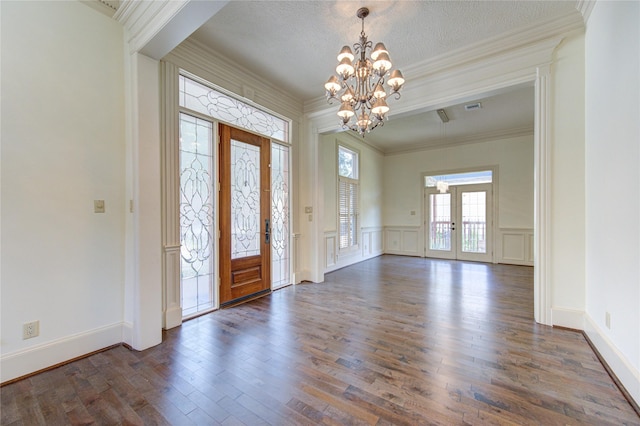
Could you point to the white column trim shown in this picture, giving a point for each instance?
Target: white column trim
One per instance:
(145, 157)
(315, 184)
(171, 300)
(542, 196)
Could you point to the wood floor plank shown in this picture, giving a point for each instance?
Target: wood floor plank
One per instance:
(389, 341)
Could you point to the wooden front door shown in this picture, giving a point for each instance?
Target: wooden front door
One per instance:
(245, 261)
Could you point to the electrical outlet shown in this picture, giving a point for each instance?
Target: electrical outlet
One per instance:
(607, 320)
(30, 329)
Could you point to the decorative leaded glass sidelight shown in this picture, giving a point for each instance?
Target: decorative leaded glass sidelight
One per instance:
(280, 242)
(196, 215)
(245, 200)
(200, 98)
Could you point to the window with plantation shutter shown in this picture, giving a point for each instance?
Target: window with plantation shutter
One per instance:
(348, 198)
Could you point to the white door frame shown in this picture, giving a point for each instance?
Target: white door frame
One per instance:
(456, 222)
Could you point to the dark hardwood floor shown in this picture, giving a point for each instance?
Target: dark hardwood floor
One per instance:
(393, 340)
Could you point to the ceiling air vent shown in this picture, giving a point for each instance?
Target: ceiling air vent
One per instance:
(471, 107)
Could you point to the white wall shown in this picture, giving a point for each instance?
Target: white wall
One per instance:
(513, 156)
(567, 184)
(371, 201)
(403, 187)
(62, 147)
(612, 169)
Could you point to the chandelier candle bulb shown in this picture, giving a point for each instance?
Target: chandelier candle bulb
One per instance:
(359, 86)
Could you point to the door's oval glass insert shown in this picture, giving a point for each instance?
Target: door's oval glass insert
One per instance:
(245, 200)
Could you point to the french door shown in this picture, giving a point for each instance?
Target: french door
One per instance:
(459, 222)
(245, 228)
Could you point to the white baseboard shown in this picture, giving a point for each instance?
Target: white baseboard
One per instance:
(628, 375)
(173, 317)
(402, 253)
(568, 318)
(36, 358)
(127, 333)
(301, 276)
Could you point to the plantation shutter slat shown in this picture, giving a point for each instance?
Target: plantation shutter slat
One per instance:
(349, 212)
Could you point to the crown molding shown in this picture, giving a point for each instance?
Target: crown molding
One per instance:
(483, 52)
(354, 138)
(485, 77)
(477, 138)
(505, 42)
(585, 7)
(143, 20)
(107, 8)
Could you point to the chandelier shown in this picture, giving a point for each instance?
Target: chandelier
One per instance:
(359, 85)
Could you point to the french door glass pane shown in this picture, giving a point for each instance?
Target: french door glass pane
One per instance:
(245, 200)
(196, 215)
(440, 222)
(280, 250)
(474, 222)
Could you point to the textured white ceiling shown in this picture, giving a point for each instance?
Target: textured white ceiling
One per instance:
(294, 44)
(505, 114)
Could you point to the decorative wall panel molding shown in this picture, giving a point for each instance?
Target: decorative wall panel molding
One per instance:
(370, 246)
(330, 245)
(515, 246)
(403, 240)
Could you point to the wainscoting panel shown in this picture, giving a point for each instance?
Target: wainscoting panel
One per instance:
(172, 301)
(331, 247)
(370, 246)
(515, 246)
(371, 242)
(403, 240)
